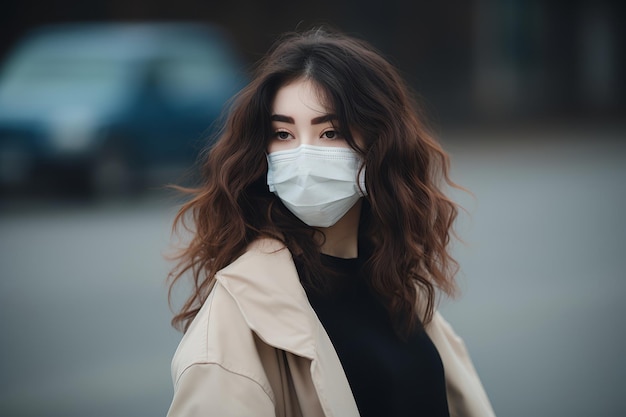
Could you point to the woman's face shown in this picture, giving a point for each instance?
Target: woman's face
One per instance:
(300, 118)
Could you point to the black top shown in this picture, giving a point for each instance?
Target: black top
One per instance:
(388, 376)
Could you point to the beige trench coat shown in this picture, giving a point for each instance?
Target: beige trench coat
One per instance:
(256, 348)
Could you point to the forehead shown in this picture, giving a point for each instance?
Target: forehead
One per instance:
(300, 96)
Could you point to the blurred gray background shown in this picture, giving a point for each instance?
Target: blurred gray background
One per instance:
(527, 97)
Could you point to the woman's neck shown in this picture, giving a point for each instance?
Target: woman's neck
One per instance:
(342, 237)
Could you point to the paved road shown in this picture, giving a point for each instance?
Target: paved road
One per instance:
(85, 319)
(544, 269)
(84, 329)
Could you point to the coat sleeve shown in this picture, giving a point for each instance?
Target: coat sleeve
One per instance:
(466, 395)
(205, 390)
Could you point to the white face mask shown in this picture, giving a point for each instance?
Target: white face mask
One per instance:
(316, 183)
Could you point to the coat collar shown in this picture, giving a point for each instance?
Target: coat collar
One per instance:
(265, 285)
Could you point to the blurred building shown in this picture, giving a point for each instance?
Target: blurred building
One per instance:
(477, 60)
(548, 57)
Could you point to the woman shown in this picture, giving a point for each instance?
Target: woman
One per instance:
(320, 243)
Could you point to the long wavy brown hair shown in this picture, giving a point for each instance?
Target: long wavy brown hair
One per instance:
(406, 219)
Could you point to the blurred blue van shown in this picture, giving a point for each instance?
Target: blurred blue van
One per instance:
(112, 103)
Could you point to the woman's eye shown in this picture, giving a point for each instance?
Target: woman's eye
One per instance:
(331, 134)
(282, 135)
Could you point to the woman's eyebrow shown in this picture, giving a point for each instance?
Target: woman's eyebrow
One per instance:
(315, 121)
(281, 118)
(323, 119)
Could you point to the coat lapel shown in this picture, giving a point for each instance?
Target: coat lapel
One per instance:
(265, 285)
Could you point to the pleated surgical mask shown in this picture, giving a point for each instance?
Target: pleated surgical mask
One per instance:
(318, 184)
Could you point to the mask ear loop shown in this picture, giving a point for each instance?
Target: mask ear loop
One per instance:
(362, 189)
(270, 174)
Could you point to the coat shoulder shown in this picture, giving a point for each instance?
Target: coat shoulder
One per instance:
(220, 316)
(217, 365)
(220, 336)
